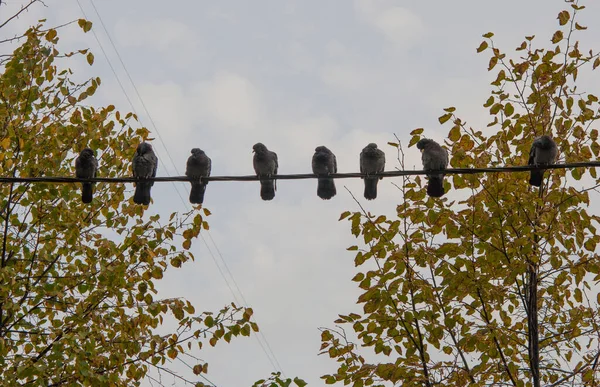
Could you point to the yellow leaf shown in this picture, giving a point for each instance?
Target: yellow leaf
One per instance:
(493, 62)
(454, 134)
(197, 369)
(445, 118)
(51, 35)
(482, 46)
(187, 244)
(563, 17)
(90, 58)
(557, 37)
(5, 143)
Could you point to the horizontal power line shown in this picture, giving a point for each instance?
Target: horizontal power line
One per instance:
(451, 171)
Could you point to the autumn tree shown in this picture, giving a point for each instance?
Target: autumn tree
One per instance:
(78, 299)
(497, 282)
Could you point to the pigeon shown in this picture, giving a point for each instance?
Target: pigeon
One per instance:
(265, 165)
(434, 157)
(372, 160)
(543, 152)
(198, 166)
(86, 167)
(324, 163)
(145, 164)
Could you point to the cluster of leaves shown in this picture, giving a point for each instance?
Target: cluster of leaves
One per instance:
(78, 301)
(275, 380)
(495, 287)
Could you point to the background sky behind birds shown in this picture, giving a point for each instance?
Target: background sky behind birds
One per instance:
(293, 74)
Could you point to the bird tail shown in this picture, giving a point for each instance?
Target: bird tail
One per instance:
(267, 189)
(536, 177)
(197, 193)
(371, 188)
(142, 193)
(87, 192)
(435, 187)
(326, 188)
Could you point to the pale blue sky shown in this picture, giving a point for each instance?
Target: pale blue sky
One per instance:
(293, 75)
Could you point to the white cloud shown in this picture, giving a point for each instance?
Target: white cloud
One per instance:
(230, 100)
(344, 76)
(399, 25)
(159, 34)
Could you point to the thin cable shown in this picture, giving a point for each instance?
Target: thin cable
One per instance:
(244, 299)
(121, 85)
(133, 84)
(176, 188)
(235, 296)
(108, 61)
(300, 176)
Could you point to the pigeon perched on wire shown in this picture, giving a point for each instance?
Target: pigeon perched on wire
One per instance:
(324, 163)
(144, 165)
(434, 157)
(86, 167)
(265, 165)
(372, 160)
(198, 166)
(543, 152)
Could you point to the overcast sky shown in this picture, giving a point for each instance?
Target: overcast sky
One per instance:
(293, 74)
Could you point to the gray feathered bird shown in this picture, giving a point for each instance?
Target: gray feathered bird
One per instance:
(434, 157)
(198, 166)
(265, 165)
(145, 164)
(324, 163)
(543, 152)
(372, 160)
(86, 167)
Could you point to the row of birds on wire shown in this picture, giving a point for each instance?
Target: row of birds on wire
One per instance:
(372, 161)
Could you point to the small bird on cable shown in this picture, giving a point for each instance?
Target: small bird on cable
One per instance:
(324, 163)
(434, 157)
(372, 160)
(265, 165)
(198, 166)
(86, 167)
(543, 152)
(144, 165)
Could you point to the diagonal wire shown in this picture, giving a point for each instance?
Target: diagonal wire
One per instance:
(123, 87)
(269, 353)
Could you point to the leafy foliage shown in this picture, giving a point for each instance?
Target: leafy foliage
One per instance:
(498, 286)
(78, 301)
(275, 380)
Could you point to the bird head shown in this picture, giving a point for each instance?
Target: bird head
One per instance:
(259, 147)
(423, 143)
(197, 151)
(322, 149)
(88, 153)
(143, 148)
(544, 142)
